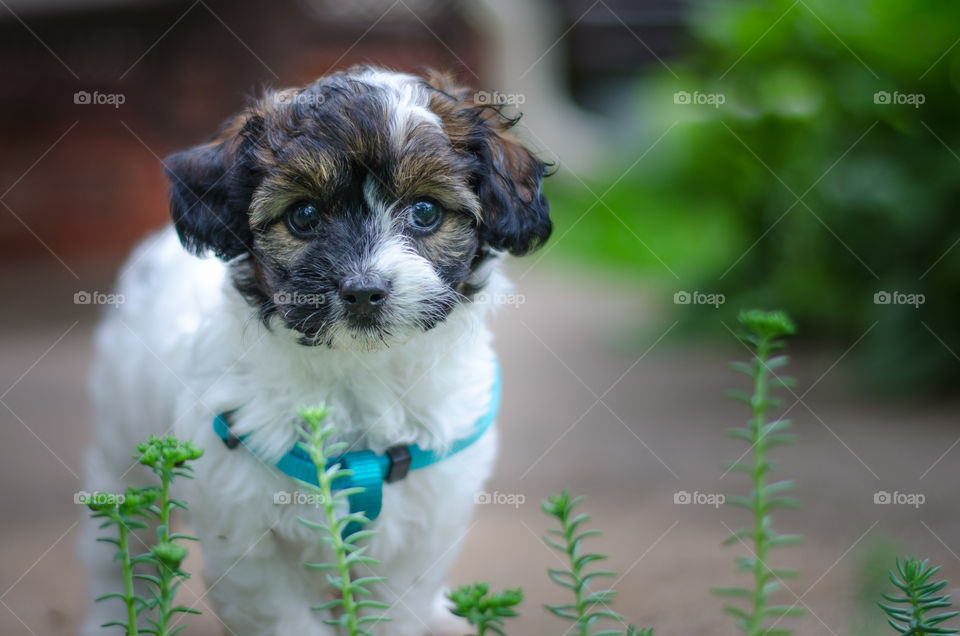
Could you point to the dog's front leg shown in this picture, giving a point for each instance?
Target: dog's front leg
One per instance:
(417, 549)
(258, 587)
(254, 552)
(415, 586)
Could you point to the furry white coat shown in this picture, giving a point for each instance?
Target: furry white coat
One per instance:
(185, 346)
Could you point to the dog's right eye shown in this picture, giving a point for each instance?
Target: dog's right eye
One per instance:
(303, 218)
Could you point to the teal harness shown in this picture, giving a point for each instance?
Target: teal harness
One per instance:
(369, 470)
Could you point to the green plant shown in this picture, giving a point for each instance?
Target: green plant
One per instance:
(762, 333)
(588, 606)
(907, 613)
(484, 609)
(345, 548)
(169, 458)
(715, 200)
(126, 513)
(873, 557)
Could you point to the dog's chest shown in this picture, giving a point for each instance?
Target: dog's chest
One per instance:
(369, 412)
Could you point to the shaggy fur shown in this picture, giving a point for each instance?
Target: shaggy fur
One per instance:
(268, 327)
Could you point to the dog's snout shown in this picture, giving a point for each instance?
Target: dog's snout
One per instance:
(364, 294)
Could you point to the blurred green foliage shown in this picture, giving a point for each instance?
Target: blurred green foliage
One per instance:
(713, 205)
(872, 558)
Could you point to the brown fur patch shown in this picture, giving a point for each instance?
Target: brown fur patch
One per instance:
(451, 245)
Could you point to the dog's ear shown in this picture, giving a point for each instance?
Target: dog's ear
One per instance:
(211, 186)
(508, 177)
(516, 215)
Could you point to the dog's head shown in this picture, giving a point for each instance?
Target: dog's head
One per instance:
(359, 207)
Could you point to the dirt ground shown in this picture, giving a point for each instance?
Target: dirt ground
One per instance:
(629, 422)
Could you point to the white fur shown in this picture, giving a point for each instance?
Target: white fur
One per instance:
(185, 347)
(409, 102)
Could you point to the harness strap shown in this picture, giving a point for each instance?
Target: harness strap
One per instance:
(369, 469)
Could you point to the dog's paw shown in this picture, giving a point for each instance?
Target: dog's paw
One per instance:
(446, 624)
(443, 622)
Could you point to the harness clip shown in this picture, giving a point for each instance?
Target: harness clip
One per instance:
(400, 459)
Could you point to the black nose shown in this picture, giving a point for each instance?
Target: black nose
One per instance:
(363, 294)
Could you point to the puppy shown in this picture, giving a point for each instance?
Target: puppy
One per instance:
(355, 223)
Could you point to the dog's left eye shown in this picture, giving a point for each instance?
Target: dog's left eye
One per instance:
(424, 215)
(303, 218)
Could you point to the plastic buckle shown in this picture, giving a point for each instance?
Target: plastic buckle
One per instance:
(223, 426)
(400, 459)
(232, 440)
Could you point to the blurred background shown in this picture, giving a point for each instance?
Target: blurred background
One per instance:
(708, 157)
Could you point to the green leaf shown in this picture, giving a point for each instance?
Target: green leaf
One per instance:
(371, 604)
(781, 502)
(739, 467)
(784, 573)
(783, 611)
(562, 612)
(738, 536)
(337, 602)
(775, 427)
(740, 396)
(785, 540)
(736, 612)
(741, 502)
(740, 592)
(783, 383)
(586, 578)
(742, 367)
(779, 440)
(776, 362)
(601, 596)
